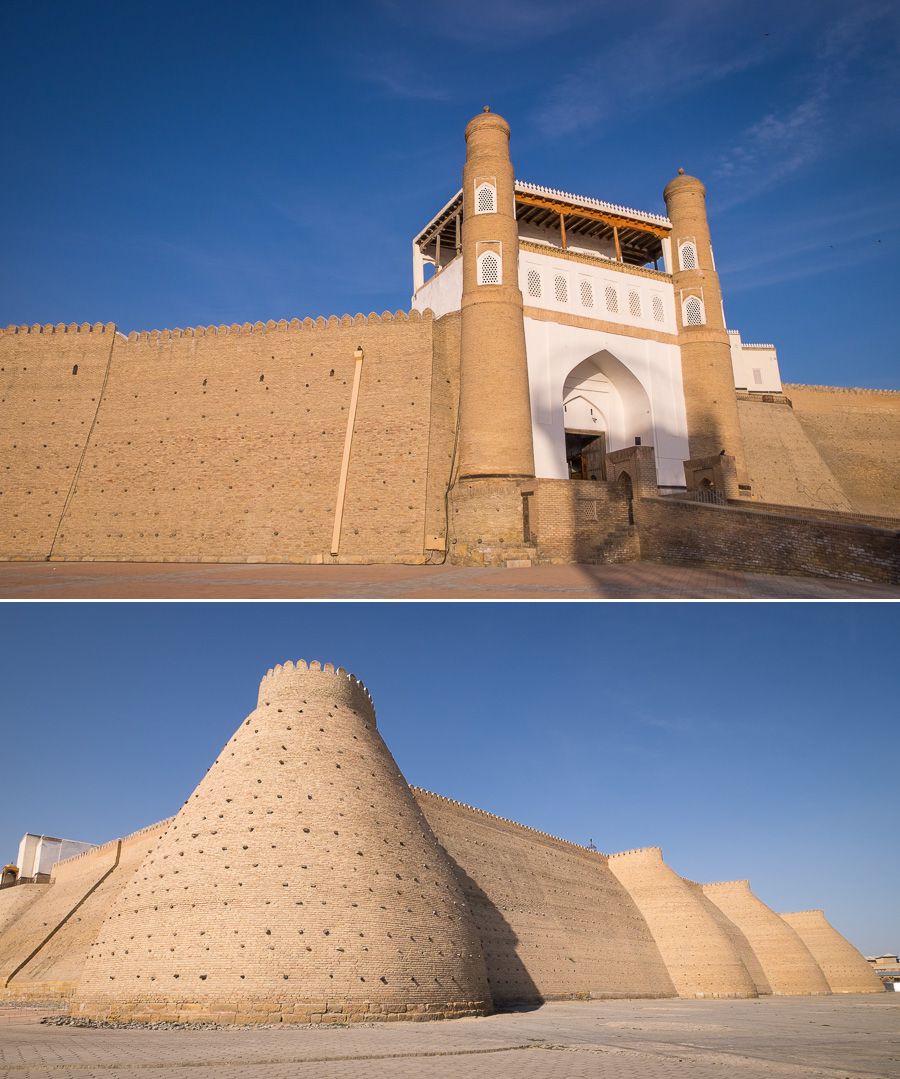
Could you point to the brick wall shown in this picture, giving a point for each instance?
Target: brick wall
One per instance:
(844, 968)
(857, 433)
(693, 533)
(14, 900)
(225, 443)
(783, 462)
(51, 383)
(789, 967)
(699, 955)
(553, 921)
(574, 521)
(70, 884)
(57, 966)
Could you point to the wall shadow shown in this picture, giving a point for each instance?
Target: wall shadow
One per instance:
(512, 987)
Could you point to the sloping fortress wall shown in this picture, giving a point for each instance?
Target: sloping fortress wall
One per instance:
(701, 959)
(741, 944)
(305, 881)
(844, 968)
(299, 881)
(552, 920)
(786, 961)
(89, 879)
(857, 433)
(226, 443)
(13, 901)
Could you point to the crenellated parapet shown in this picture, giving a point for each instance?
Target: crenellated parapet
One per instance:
(61, 328)
(421, 791)
(291, 679)
(289, 326)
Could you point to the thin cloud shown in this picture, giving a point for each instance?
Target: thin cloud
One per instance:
(676, 53)
(781, 144)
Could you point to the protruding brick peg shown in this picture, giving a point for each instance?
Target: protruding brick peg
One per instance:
(495, 409)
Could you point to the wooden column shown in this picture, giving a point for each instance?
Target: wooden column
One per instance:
(616, 241)
(562, 230)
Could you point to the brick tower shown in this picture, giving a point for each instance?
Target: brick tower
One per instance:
(495, 411)
(299, 881)
(845, 969)
(787, 963)
(700, 956)
(495, 452)
(712, 415)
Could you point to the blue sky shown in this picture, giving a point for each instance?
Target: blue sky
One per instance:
(748, 740)
(174, 164)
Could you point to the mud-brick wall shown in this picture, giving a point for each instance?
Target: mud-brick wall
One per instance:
(225, 444)
(51, 381)
(857, 432)
(71, 883)
(693, 533)
(784, 465)
(56, 967)
(553, 921)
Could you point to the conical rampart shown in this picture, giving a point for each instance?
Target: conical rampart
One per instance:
(741, 945)
(554, 922)
(699, 955)
(789, 965)
(845, 969)
(299, 882)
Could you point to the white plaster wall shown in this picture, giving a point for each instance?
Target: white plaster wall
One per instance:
(646, 399)
(755, 366)
(443, 292)
(40, 853)
(600, 278)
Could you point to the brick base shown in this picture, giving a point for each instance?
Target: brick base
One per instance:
(257, 1011)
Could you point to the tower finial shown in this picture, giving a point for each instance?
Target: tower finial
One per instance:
(485, 108)
(681, 172)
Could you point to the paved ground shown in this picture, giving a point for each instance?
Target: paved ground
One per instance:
(827, 1038)
(630, 580)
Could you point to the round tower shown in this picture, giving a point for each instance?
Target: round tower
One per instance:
(699, 955)
(299, 882)
(712, 415)
(845, 969)
(787, 963)
(494, 405)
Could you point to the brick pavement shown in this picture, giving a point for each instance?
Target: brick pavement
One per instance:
(631, 580)
(853, 1037)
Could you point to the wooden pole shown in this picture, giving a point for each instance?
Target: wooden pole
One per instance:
(345, 461)
(562, 229)
(616, 241)
(458, 232)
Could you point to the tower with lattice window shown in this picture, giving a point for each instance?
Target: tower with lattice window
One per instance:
(494, 409)
(708, 377)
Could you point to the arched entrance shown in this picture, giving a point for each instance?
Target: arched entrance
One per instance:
(604, 408)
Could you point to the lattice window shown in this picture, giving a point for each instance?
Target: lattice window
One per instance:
(693, 311)
(687, 254)
(489, 272)
(587, 292)
(485, 199)
(561, 288)
(658, 311)
(534, 284)
(757, 376)
(612, 300)
(634, 304)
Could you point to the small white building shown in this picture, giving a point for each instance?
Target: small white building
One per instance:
(38, 854)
